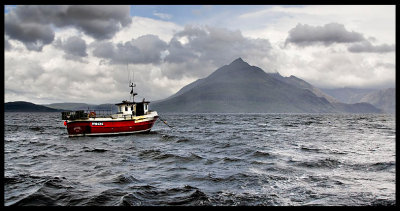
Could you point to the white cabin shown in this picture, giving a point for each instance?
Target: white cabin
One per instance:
(133, 108)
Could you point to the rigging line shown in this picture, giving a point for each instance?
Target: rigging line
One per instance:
(129, 74)
(165, 122)
(133, 75)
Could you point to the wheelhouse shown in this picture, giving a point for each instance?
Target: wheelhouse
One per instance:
(133, 108)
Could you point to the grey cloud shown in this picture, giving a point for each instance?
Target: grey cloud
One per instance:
(202, 50)
(144, 50)
(367, 47)
(33, 35)
(179, 53)
(74, 47)
(303, 35)
(33, 24)
(218, 45)
(386, 65)
(7, 45)
(103, 49)
(100, 22)
(212, 46)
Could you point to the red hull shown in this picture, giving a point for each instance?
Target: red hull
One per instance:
(80, 128)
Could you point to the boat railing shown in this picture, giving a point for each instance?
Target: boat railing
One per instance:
(99, 112)
(84, 114)
(71, 115)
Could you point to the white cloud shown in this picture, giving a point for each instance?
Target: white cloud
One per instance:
(327, 68)
(143, 26)
(164, 16)
(374, 20)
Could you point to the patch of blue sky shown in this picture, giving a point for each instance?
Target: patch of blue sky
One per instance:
(186, 14)
(8, 8)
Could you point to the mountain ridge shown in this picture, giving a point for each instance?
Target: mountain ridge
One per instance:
(384, 99)
(23, 106)
(240, 87)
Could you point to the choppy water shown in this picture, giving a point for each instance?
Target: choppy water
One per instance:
(207, 159)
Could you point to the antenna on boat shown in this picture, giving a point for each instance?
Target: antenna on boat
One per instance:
(132, 84)
(133, 93)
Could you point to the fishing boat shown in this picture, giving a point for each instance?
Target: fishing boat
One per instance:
(131, 117)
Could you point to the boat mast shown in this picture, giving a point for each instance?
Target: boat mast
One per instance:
(133, 93)
(132, 84)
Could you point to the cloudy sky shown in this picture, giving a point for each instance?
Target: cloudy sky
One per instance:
(90, 53)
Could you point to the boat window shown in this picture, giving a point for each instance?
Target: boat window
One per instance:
(126, 108)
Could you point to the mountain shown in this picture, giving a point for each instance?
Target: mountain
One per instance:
(293, 80)
(83, 106)
(22, 106)
(69, 106)
(348, 95)
(239, 87)
(384, 99)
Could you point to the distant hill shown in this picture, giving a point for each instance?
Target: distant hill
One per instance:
(69, 106)
(239, 87)
(348, 95)
(22, 106)
(384, 99)
(82, 106)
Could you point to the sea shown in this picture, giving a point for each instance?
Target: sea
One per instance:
(204, 160)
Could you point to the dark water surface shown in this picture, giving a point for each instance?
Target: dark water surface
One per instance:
(207, 159)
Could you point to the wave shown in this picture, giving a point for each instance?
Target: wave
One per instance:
(324, 163)
(236, 178)
(168, 137)
(309, 149)
(262, 154)
(40, 156)
(130, 199)
(383, 202)
(182, 140)
(290, 125)
(379, 166)
(323, 181)
(149, 153)
(231, 159)
(149, 195)
(223, 198)
(158, 155)
(333, 151)
(193, 197)
(20, 178)
(95, 150)
(110, 197)
(382, 165)
(53, 191)
(37, 143)
(122, 179)
(12, 128)
(36, 128)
